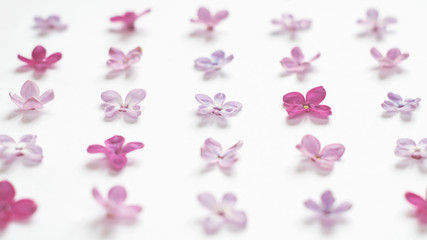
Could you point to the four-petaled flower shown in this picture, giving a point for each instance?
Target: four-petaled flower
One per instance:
(40, 61)
(222, 212)
(51, 23)
(213, 153)
(297, 63)
(213, 65)
(25, 149)
(420, 204)
(407, 148)
(375, 25)
(217, 107)
(115, 151)
(128, 19)
(290, 24)
(121, 61)
(114, 103)
(114, 204)
(328, 213)
(30, 98)
(11, 209)
(391, 60)
(205, 17)
(296, 104)
(324, 158)
(397, 104)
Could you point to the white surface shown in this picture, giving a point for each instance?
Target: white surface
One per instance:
(166, 177)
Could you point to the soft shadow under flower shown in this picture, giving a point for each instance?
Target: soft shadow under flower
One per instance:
(26, 116)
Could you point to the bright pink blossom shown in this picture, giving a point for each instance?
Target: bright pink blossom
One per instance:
(396, 104)
(115, 205)
(30, 98)
(420, 204)
(296, 104)
(375, 25)
(25, 149)
(115, 151)
(217, 106)
(213, 65)
(297, 63)
(205, 17)
(213, 153)
(114, 103)
(323, 159)
(391, 60)
(290, 24)
(128, 19)
(52, 23)
(40, 61)
(11, 209)
(222, 213)
(121, 61)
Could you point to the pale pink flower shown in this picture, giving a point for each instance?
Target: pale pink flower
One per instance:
(213, 153)
(297, 63)
(52, 23)
(396, 104)
(121, 61)
(391, 60)
(374, 24)
(217, 106)
(213, 65)
(205, 17)
(25, 149)
(114, 103)
(128, 19)
(407, 148)
(290, 24)
(296, 104)
(420, 204)
(30, 98)
(115, 205)
(40, 61)
(222, 213)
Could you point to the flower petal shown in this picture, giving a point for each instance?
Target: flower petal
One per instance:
(204, 99)
(23, 209)
(316, 95)
(134, 56)
(415, 199)
(117, 54)
(237, 219)
(97, 149)
(115, 142)
(7, 192)
(218, 55)
(129, 212)
(98, 196)
(47, 96)
(219, 99)
(327, 200)
(297, 55)
(30, 89)
(376, 54)
(219, 16)
(212, 224)
(117, 194)
(55, 57)
(288, 63)
(208, 201)
(135, 96)
(229, 199)
(324, 164)
(310, 146)
(406, 142)
(5, 139)
(332, 152)
(312, 205)
(26, 60)
(343, 207)
(393, 53)
(39, 53)
(372, 14)
(32, 104)
(132, 146)
(293, 98)
(112, 96)
(231, 107)
(204, 14)
(321, 111)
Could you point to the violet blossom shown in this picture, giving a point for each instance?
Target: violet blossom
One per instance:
(114, 103)
(25, 149)
(30, 98)
(289, 24)
(213, 153)
(211, 66)
(121, 61)
(51, 23)
(392, 58)
(40, 61)
(296, 63)
(128, 19)
(411, 152)
(420, 205)
(296, 104)
(205, 17)
(396, 104)
(217, 107)
(375, 25)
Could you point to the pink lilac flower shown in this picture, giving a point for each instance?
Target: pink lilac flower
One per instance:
(375, 25)
(30, 98)
(328, 213)
(205, 17)
(217, 106)
(114, 103)
(115, 151)
(323, 159)
(213, 153)
(290, 24)
(51, 23)
(128, 19)
(213, 65)
(25, 149)
(40, 61)
(407, 148)
(222, 213)
(420, 204)
(11, 209)
(297, 63)
(296, 104)
(121, 61)
(115, 205)
(391, 60)
(397, 104)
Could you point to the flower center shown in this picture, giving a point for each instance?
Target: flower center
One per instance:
(306, 107)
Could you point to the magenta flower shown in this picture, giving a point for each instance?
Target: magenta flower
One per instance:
(52, 23)
(324, 158)
(290, 24)
(391, 60)
(420, 204)
(328, 213)
(213, 65)
(39, 61)
(217, 107)
(128, 19)
(114, 103)
(212, 152)
(115, 152)
(205, 17)
(222, 213)
(30, 98)
(397, 104)
(121, 61)
(114, 204)
(25, 149)
(297, 63)
(296, 104)
(375, 25)
(11, 209)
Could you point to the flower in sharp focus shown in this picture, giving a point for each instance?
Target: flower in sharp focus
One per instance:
(128, 19)
(30, 98)
(217, 106)
(396, 104)
(213, 153)
(375, 25)
(329, 213)
(391, 60)
(420, 204)
(297, 63)
(296, 104)
(323, 159)
(25, 149)
(39, 60)
(11, 209)
(213, 65)
(222, 213)
(290, 24)
(114, 103)
(205, 17)
(121, 61)
(115, 205)
(51, 23)
(116, 151)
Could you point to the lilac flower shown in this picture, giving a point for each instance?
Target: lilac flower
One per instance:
(52, 23)
(114, 204)
(205, 17)
(114, 103)
(39, 61)
(297, 63)
(128, 19)
(212, 152)
(222, 213)
(121, 61)
(296, 104)
(328, 213)
(391, 60)
(217, 107)
(213, 65)
(25, 149)
(375, 25)
(290, 24)
(411, 152)
(420, 204)
(397, 104)
(30, 98)
(115, 151)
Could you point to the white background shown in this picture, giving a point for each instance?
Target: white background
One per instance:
(166, 177)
